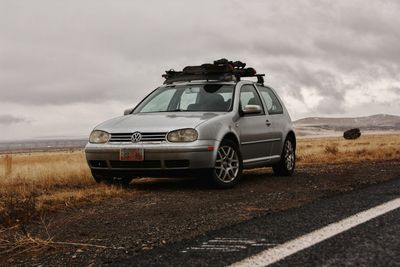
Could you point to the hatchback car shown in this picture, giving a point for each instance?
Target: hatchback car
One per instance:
(197, 124)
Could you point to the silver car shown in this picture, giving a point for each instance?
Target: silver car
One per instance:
(213, 129)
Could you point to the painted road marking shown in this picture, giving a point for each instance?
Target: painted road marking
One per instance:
(275, 254)
(228, 244)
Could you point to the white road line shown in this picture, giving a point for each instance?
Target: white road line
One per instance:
(270, 256)
(226, 244)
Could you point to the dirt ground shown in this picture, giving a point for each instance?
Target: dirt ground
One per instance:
(162, 211)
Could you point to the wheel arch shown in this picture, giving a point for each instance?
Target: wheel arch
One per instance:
(231, 136)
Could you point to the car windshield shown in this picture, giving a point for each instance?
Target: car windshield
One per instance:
(206, 97)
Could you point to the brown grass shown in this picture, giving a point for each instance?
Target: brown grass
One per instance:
(33, 183)
(332, 149)
(46, 181)
(339, 150)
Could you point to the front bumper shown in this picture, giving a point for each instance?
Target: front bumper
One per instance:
(161, 156)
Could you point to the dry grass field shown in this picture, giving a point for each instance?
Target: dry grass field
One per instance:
(340, 150)
(33, 183)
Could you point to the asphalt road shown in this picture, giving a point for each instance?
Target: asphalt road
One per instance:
(373, 243)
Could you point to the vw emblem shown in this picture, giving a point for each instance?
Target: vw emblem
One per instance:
(136, 136)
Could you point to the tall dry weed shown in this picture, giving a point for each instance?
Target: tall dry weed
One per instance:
(332, 149)
(8, 165)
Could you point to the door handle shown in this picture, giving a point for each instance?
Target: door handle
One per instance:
(268, 123)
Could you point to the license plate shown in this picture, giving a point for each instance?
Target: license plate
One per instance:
(131, 154)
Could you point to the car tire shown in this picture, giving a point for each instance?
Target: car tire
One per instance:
(287, 164)
(228, 165)
(122, 182)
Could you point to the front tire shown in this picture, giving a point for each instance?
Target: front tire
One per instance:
(287, 163)
(228, 165)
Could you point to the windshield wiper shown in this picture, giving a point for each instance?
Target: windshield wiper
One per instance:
(172, 110)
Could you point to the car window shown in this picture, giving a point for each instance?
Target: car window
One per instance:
(249, 96)
(272, 102)
(191, 98)
(160, 102)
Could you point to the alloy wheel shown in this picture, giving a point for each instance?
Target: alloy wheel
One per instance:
(289, 155)
(227, 164)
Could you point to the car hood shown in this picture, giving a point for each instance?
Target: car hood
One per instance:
(156, 122)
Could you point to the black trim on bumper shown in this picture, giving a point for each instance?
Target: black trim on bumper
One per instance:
(152, 173)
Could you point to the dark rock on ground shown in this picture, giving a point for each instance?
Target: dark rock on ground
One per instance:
(352, 134)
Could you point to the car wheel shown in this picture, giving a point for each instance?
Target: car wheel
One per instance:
(287, 163)
(228, 165)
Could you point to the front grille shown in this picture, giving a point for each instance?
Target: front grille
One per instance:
(98, 163)
(177, 163)
(146, 137)
(147, 164)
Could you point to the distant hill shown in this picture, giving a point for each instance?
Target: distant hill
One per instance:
(328, 126)
(42, 144)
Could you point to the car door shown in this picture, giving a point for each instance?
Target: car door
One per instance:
(275, 119)
(254, 133)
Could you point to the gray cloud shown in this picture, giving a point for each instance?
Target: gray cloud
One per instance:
(10, 119)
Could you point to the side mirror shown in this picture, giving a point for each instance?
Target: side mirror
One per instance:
(128, 111)
(252, 109)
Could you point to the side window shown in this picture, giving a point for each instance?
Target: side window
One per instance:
(249, 96)
(272, 102)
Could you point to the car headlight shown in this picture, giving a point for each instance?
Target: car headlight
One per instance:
(184, 135)
(99, 137)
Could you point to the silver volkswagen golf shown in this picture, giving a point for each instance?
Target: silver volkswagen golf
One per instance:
(205, 120)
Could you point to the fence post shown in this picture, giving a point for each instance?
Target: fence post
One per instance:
(8, 165)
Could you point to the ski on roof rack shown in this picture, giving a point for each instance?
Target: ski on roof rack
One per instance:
(220, 70)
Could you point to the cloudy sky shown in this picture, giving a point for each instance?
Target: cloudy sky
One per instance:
(65, 66)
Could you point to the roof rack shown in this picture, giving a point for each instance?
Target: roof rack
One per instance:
(219, 70)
